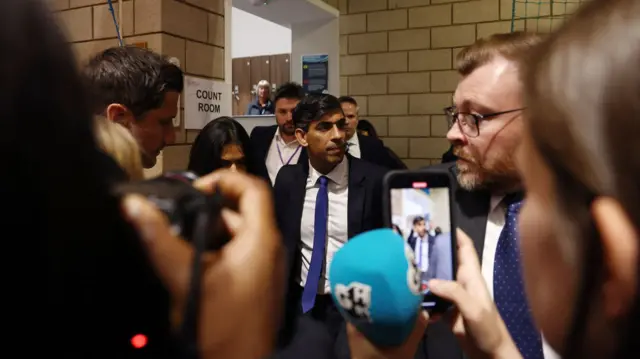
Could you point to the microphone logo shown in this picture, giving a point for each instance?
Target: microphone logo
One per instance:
(355, 299)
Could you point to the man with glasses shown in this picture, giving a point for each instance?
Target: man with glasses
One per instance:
(485, 128)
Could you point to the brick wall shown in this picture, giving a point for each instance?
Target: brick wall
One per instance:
(193, 31)
(397, 61)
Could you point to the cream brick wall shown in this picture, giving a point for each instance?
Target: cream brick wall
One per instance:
(397, 61)
(193, 31)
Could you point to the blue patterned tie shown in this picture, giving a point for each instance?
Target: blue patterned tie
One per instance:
(318, 251)
(509, 290)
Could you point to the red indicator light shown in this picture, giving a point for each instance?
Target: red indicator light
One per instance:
(419, 184)
(139, 341)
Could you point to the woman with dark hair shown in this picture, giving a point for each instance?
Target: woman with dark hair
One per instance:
(222, 143)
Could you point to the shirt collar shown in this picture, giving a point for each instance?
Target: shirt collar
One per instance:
(278, 138)
(354, 141)
(496, 200)
(338, 175)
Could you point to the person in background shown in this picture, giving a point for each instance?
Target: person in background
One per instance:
(365, 128)
(486, 126)
(320, 204)
(118, 143)
(262, 105)
(139, 89)
(276, 146)
(222, 143)
(368, 148)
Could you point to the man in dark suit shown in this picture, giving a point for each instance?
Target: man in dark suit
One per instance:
(320, 204)
(421, 240)
(485, 130)
(276, 146)
(368, 148)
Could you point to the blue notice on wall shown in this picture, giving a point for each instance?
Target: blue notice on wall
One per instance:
(315, 73)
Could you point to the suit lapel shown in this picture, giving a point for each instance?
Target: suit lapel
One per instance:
(267, 141)
(364, 147)
(356, 198)
(297, 200)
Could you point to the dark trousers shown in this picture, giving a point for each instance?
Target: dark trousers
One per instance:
(319, 334)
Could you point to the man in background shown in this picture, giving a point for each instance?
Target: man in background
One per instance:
(138, 89)
(276, 146)
(368, 148)
(262, 105)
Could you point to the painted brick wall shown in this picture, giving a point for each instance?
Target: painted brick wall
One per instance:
(397, 61)
(193, 31)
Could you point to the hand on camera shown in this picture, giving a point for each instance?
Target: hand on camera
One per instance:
(361, 348)
(242, 284)
(475, 321)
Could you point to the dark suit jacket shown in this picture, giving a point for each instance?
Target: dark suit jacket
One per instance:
(471, 210)
(260, 139)
(364, 214)
(440, 258)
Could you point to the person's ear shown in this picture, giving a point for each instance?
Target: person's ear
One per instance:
(620, 250)
(301, 136)
(119, 114)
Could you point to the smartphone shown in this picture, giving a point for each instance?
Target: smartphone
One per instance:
(418, 206)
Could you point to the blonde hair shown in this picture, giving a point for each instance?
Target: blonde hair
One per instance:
(117, 142)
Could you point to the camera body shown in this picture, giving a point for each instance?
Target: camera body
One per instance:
(191, 213)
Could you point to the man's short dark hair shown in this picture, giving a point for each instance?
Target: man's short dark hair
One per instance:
(348, 99)
(131, 76)
(289, 90)
(417, 220)
(313, 107)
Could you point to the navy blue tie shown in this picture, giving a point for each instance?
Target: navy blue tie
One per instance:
(318, 251)
(508, 289)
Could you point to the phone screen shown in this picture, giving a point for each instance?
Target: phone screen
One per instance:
(420, 213)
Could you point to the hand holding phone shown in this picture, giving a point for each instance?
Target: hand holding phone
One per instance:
(475, 322)
(418, 206)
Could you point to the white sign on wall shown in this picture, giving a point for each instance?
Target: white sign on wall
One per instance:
(205, 100)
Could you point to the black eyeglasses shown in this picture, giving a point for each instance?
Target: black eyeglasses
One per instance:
(468, 122)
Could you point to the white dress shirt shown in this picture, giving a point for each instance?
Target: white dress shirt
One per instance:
(354, 146)
(495, 223)
(337, 224)
(288, 151)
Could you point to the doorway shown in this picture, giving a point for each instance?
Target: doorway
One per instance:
(248, 71)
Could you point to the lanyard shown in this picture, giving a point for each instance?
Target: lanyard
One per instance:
(290, 158)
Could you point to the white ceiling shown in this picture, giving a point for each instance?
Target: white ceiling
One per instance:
(287, 12)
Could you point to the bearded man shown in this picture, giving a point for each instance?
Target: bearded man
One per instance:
(485, 128)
